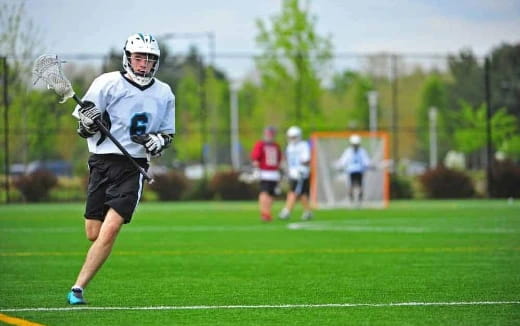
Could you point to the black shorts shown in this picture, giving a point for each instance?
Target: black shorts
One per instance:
(299, 187)
(268, 186)
(356, 179)
(113, 183)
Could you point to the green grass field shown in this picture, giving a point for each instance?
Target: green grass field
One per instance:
(215, 263)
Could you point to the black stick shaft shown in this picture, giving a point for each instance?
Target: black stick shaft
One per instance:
(107, 133)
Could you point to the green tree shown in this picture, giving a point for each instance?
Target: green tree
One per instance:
(433, 94)
(31, 114)
(19, 41)
(505, 78)
(470, 135)
(342, 82)
(468, 80)
(359, 115)
(290, 65)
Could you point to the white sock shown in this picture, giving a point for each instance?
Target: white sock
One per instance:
(77, 287)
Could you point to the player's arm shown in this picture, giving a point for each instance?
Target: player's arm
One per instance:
(90, 111)
(340, 163)
(256, 154)
(154, 143)
(305, 155)
(87, 114)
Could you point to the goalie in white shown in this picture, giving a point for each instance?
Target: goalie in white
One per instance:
(298, 156)
(139, 111)
(355, 162)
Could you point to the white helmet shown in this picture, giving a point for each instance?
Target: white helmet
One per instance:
(355, 140)
(141, 43)
(294, 132)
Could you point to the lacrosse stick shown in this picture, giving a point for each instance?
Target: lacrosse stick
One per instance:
(381, 165)
(249, 176)
(48, 68)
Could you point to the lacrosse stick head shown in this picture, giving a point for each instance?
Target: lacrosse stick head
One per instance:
(48, 68)
(249, 176)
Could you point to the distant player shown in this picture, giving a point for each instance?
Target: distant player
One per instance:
(266, 157)
(354, 161)
(298, 157)
(138, 109)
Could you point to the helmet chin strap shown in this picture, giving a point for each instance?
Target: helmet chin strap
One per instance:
(136, 78)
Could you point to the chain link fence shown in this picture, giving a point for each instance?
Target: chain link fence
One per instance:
(222, 108)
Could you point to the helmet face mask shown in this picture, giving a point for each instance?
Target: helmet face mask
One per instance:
(141, 47)
(294, 134)
(355, 140)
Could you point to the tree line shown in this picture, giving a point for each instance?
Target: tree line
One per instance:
(294, 83)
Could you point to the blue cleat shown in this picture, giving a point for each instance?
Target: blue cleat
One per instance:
(75, 296)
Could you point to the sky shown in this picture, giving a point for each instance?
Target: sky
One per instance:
(367, 26)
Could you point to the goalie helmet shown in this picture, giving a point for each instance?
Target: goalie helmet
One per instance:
(355, 140)
(146, 44)
(294, 133)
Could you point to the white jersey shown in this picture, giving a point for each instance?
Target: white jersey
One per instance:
(298, 156)
(129, 109)
(354, 160)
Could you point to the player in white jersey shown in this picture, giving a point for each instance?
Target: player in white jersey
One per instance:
(139, 111)
(298, 157)
(354, 161)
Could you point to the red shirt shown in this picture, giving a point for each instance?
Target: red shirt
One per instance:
(268, 155)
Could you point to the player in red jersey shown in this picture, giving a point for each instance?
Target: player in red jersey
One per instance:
(266, 157)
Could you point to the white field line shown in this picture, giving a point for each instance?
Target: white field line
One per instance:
(139, 229)
(281, 306)
(338, 226)
(274, 251)
(342, 227)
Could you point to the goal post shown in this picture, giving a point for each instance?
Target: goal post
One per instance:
(329, 182)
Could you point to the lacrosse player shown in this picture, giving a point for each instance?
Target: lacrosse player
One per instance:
(297, 157)
(139, 111)
(355, 161)
(266, 157)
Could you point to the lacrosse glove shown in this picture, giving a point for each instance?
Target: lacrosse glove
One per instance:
(88, 114)
(153, 143)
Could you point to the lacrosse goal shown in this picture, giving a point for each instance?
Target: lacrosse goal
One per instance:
(329, 182)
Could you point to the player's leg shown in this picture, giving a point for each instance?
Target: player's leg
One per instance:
(94, 214)
(360, 184)
(289, 205)
(101, 247)
(97, 254)
(304, 198)
(356, 188)
(265, 201)
(92, 228)
(350, 187)
(265, 198)
(290, 201)
(108, 208)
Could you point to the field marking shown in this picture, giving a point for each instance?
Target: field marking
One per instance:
(162, 229)
(345, 227)
(274, 251)
(17, 321)
(334, 225)
(266, 306)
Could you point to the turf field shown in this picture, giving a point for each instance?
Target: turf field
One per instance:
(215, 263)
